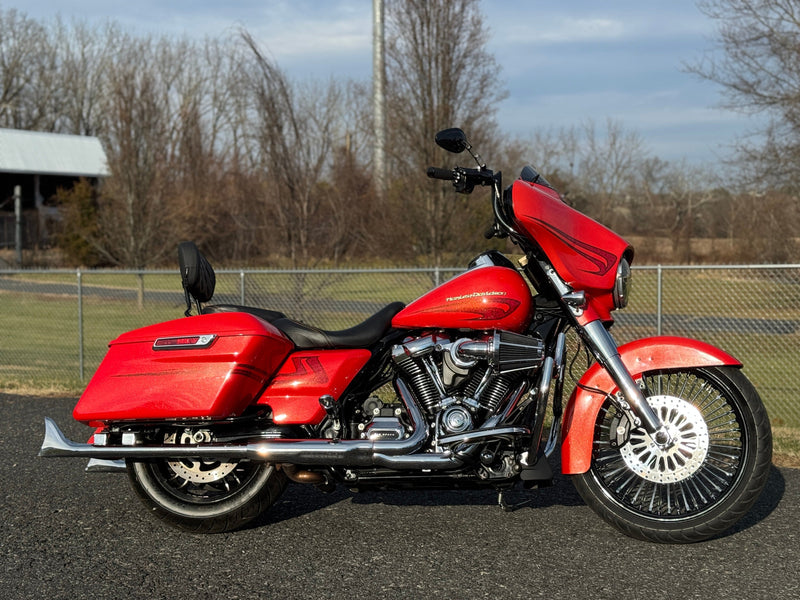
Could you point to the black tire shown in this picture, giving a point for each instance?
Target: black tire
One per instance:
(699, 487)
(206, 497)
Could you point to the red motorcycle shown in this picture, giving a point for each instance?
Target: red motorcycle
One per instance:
(214, 414)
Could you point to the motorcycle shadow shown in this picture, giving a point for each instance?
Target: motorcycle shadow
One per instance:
(766, 504)
(561, 493)
(300, 500)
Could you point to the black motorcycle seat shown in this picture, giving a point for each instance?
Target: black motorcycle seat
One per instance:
(262, 313)
(361, 336)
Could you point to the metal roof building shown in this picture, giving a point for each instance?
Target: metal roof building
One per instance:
(37, 153)
(38, 165)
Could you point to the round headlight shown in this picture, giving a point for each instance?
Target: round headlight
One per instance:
(622, 285)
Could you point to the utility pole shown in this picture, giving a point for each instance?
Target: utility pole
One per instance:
(378, 97)
(18, 223)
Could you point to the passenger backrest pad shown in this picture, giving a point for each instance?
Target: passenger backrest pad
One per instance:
(197, 274)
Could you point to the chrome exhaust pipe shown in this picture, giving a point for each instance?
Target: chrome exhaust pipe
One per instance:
(479, 435)
(101, 465)
(393, 454)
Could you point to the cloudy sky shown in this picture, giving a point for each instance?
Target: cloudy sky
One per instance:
(563, 62)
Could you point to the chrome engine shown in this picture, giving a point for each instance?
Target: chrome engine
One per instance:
(459, 382)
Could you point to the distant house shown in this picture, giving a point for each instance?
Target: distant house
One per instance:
(41, 163)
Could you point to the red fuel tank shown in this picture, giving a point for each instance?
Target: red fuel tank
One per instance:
(483, 298)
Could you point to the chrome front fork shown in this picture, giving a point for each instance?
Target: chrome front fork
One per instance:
(607, 354)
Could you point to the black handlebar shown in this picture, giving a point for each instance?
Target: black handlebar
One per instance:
(464, 180)
(438, 173)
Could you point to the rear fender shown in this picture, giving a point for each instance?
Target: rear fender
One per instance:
(640, 356)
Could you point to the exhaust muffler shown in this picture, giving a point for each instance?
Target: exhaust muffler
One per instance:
(393, 454)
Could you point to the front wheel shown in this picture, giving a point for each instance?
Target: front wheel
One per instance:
(700, 484)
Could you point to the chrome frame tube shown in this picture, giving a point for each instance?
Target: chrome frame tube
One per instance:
(552, 438)
(476, 435)
(555, 427)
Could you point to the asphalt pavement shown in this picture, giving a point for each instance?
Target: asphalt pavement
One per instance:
(67, 534)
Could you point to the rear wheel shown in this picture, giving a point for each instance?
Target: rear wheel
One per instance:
(700, 484)
(206, 496)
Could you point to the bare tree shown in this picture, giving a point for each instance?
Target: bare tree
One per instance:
(27, 73)
(608, 164)
(674, 199)
(439, 74)
(757, 64)
(135, 213)
(762, 226)
(552, 152)
(84, 55)
(295, 129)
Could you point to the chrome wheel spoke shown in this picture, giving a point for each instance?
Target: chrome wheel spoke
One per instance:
(685, 477)
(197, 481)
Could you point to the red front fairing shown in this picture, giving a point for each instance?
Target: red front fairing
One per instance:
(583, 252)
(135, 381)
(482, 298)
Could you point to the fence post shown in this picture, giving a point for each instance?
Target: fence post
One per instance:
(659, 291)
(140, 289)
(241, 288)
(80, 321)
(18, 224)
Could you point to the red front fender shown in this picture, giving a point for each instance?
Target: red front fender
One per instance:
(648, 354)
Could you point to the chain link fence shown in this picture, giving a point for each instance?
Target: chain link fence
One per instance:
(57, 323)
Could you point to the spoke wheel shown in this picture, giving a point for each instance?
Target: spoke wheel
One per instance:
(206, 496)
(676, 461)
(702, 481)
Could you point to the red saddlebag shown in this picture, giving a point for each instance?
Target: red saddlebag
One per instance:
(203, 367)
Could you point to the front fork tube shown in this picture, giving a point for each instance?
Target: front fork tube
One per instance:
(605, 350)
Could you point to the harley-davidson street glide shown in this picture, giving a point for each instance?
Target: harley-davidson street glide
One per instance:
(214, 413)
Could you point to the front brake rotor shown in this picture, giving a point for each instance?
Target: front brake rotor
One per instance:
(682, 457)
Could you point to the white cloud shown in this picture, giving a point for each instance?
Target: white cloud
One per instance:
(570, 30)
(320, 38)
(670, 122)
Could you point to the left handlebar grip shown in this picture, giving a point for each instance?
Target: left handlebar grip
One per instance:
(438, 173)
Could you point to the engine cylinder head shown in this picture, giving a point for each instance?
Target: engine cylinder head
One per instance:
(420, 381)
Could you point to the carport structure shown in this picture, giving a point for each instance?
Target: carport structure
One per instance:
(33, 165)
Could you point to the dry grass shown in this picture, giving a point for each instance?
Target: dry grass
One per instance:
(40, 389)
(786, 443)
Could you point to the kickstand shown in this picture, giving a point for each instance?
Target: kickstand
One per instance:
(501, 502)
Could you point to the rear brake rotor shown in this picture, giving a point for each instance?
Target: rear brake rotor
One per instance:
(196, 470)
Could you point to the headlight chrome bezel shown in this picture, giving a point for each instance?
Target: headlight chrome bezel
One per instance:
(622, 284)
